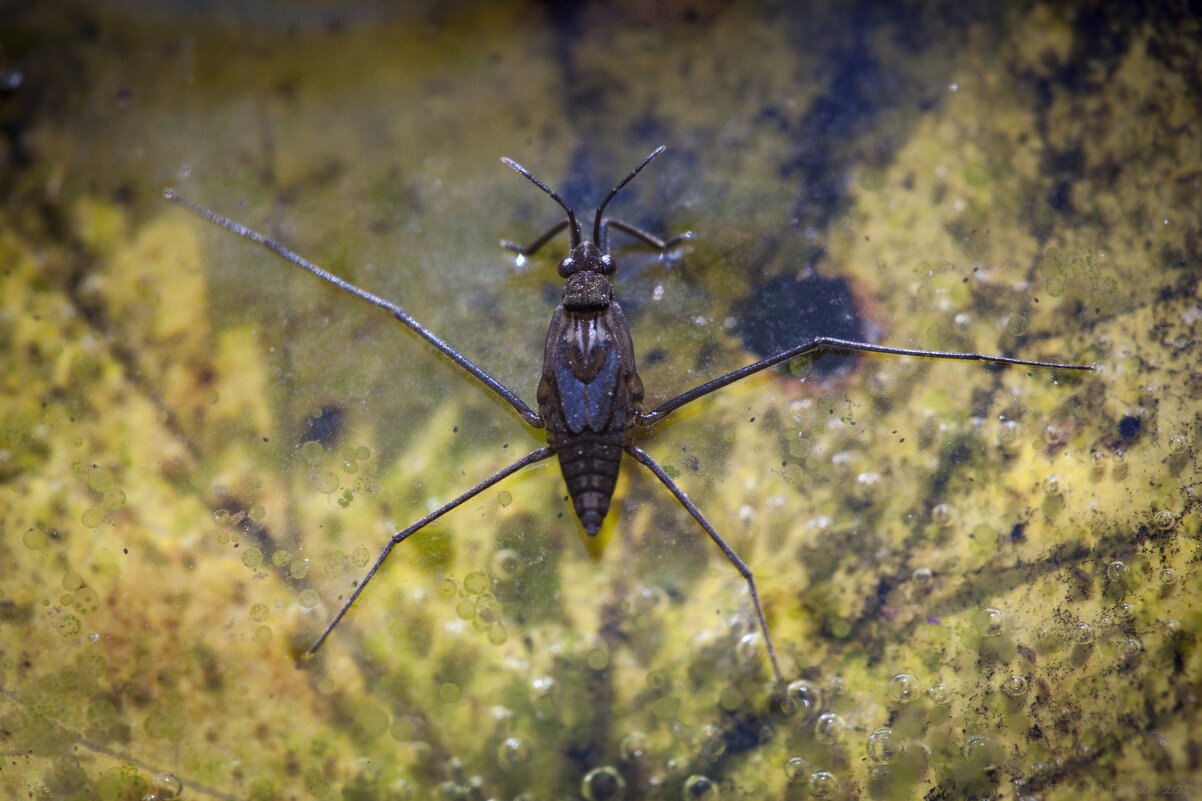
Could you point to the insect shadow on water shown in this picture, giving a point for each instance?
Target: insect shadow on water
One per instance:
(590, 396)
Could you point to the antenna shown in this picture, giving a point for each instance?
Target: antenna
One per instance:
(612, 192)
(557, 198)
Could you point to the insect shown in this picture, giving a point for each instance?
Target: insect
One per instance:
(590, 396)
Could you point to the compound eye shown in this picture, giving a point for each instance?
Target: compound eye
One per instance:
(607, 265)
(567, 267)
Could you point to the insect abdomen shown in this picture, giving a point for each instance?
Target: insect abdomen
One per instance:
(589, 462)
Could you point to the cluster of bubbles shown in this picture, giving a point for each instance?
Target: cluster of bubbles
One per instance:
(328, 481)
(803, 704)
(102, 482)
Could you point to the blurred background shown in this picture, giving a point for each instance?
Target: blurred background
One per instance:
(981, 582)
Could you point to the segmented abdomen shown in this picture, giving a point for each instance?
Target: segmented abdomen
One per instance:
(589, 462)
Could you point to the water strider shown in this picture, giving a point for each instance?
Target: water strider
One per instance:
(590, 397)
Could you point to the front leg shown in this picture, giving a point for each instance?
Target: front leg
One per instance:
(529, 250)
(639, 234)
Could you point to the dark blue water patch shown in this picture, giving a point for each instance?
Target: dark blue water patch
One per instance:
(1130, 426)
(859, 89)
(785, 311)
(325, 425)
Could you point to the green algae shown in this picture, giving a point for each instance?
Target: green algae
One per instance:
(1019, 545)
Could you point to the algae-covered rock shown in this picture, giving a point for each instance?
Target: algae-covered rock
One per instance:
(981, 582)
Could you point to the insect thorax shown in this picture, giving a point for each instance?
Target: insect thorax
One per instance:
(587, 291)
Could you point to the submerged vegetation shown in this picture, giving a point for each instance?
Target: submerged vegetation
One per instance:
(981, 582)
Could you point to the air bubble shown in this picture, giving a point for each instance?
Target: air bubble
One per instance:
(1164, 520)
(749, 646)
(828, 728)
(1178, 444)
(544, 699)
(922, 577)
(1130, 648)
(982, 532)
(1052, 485)
(602, 784)
(360, 557)
(940, 694)
(252, 557)
(328, 482)
(597, 657)
(68, 625)
(476, 583)
(100, 479)
(795, 769)
(802, 700)
(713, 744)
(308, 600)
(1168, 576)
(167, 787)
(980, 752)
(700, 788)
(633, 747)
(86, 600)
(903, 688)
(312, 451)
(34, 539)
(1115, 570)
(992, 621)
(507, 564)
(1015, 686)
(823, 785)
(1082, 634)
(512, 752)
(646, 600)
(942, 514)
(884, 745)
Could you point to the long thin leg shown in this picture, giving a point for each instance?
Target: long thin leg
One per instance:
(833, 344)
(401, 536)
(500, 389)
(743, 569)
(530, 249)
(638, 233)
